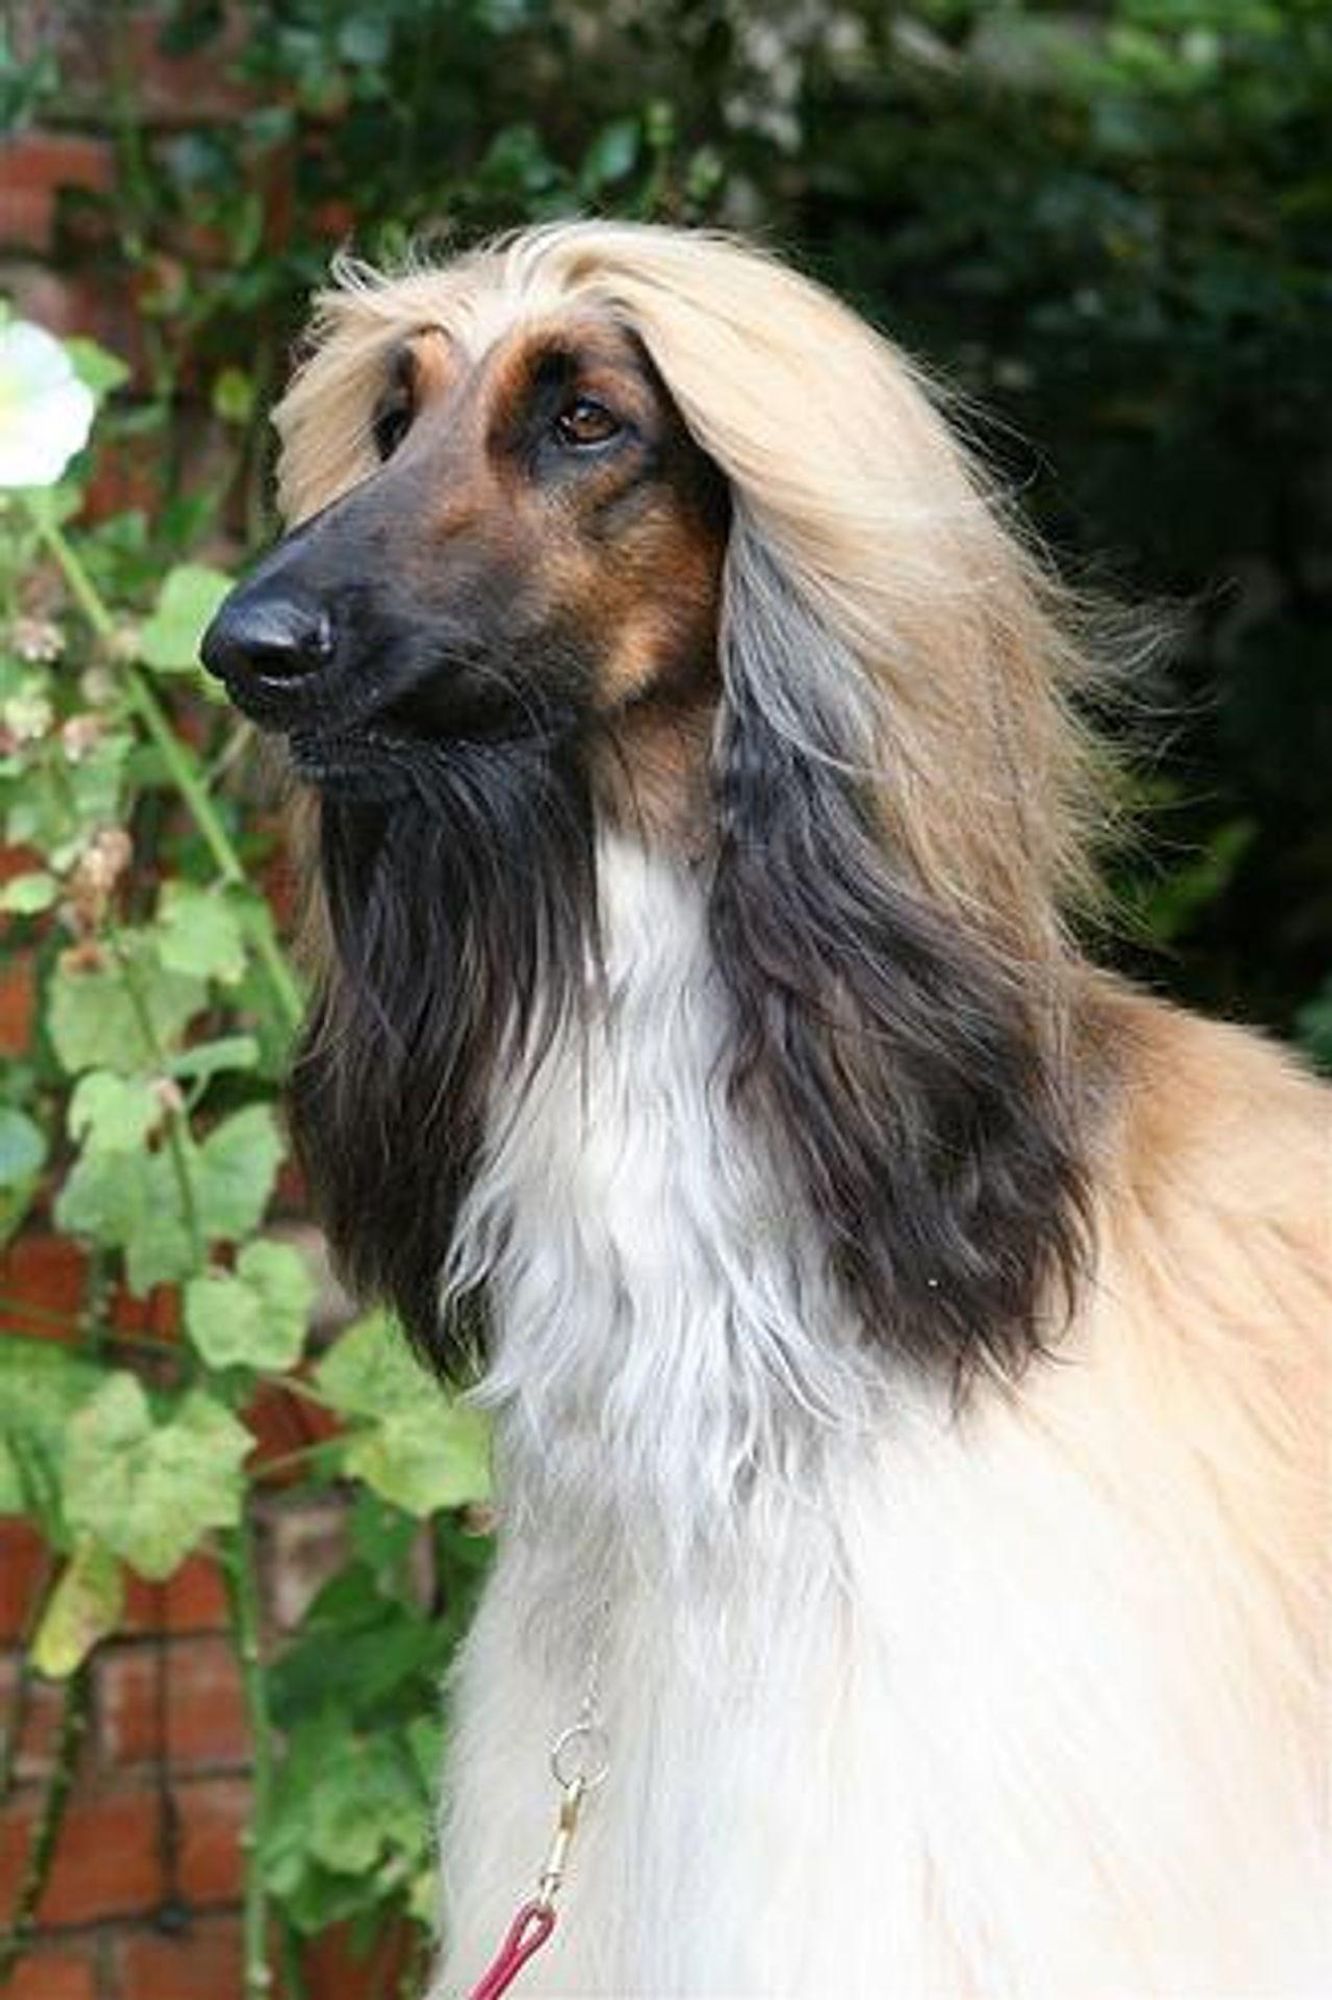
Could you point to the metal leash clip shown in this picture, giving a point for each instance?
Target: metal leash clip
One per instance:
(579, 1762)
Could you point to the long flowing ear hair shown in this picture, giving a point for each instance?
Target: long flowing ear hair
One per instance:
(902, 795)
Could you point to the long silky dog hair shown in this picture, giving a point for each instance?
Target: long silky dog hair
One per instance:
(698, 798)
(901, 796)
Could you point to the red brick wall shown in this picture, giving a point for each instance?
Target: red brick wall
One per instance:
(130, 1913)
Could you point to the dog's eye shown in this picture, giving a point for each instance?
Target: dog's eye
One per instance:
(390, 426)
(586, 423)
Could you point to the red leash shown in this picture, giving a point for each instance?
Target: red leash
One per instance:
(527, 1933)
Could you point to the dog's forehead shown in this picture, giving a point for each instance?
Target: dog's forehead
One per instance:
(437, 357)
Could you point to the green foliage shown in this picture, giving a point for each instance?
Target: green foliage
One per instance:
(143, 1124)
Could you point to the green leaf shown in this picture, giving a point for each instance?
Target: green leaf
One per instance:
(102, 371)
(424, 1460)
(84, 1607)
(235, 1169)
(113, 1114)
(611, 155)
(96, 1023)
(22, 1157)
(418, 1449)
(208, 1059)
(41, 1386)
(26, 895)
(233, 396)
(130, 1202)
(22, 1146)
(199, 933)
(152, 1489)
(365, 1801)
(169, 641)
(371, 1372)
(255, 1317)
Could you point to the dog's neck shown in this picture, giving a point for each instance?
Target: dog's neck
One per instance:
(670, 1354)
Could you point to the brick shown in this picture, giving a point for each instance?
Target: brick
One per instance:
(42, 1279)
(336, 1967)
(55, 1975)
(205, 1962)
(24, 1567)
(213, 1813)
(193, 1685)
(106, 1863)
(18, 1002)
(194, 1599)
(283, 1423)
(41, 1722)
(194, 89)
(34, 167)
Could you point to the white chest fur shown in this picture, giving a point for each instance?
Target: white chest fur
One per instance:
(900, 1704)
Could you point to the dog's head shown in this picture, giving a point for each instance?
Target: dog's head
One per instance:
(616, 521)
(534, 550)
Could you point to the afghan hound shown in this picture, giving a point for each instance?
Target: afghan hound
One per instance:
(905, 1342)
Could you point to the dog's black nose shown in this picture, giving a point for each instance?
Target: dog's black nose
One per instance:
(259, 634)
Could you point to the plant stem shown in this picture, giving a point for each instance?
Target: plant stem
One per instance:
(177, 760)
(46, 1833)
(243, 1590)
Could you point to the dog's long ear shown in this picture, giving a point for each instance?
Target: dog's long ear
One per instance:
(898, 1065)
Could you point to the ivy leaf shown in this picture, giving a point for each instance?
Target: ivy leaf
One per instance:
(199, 933)
(59, 803)
(27, 895)
(150, 1490)
(94, 1023)
(234, 1173)
(41, 1386)
(367, 1800)
(371, 1372)
(169, 641)
(206, 1059)
(255, 1317)
(113, 1114)
(418, 1448)
(424, 1460)
(85, 1606)
(97, 368)
(22, 1157)
(130, 1202)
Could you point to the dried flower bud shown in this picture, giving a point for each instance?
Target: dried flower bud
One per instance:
(28, 715)
(98, 686)
(93, 879)
(80, 735)
(37, 640)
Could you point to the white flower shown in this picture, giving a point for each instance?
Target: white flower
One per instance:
(46, 413)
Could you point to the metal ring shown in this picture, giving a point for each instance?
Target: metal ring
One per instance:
(590, 1769)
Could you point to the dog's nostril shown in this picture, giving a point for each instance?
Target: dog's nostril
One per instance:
(271, 638)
